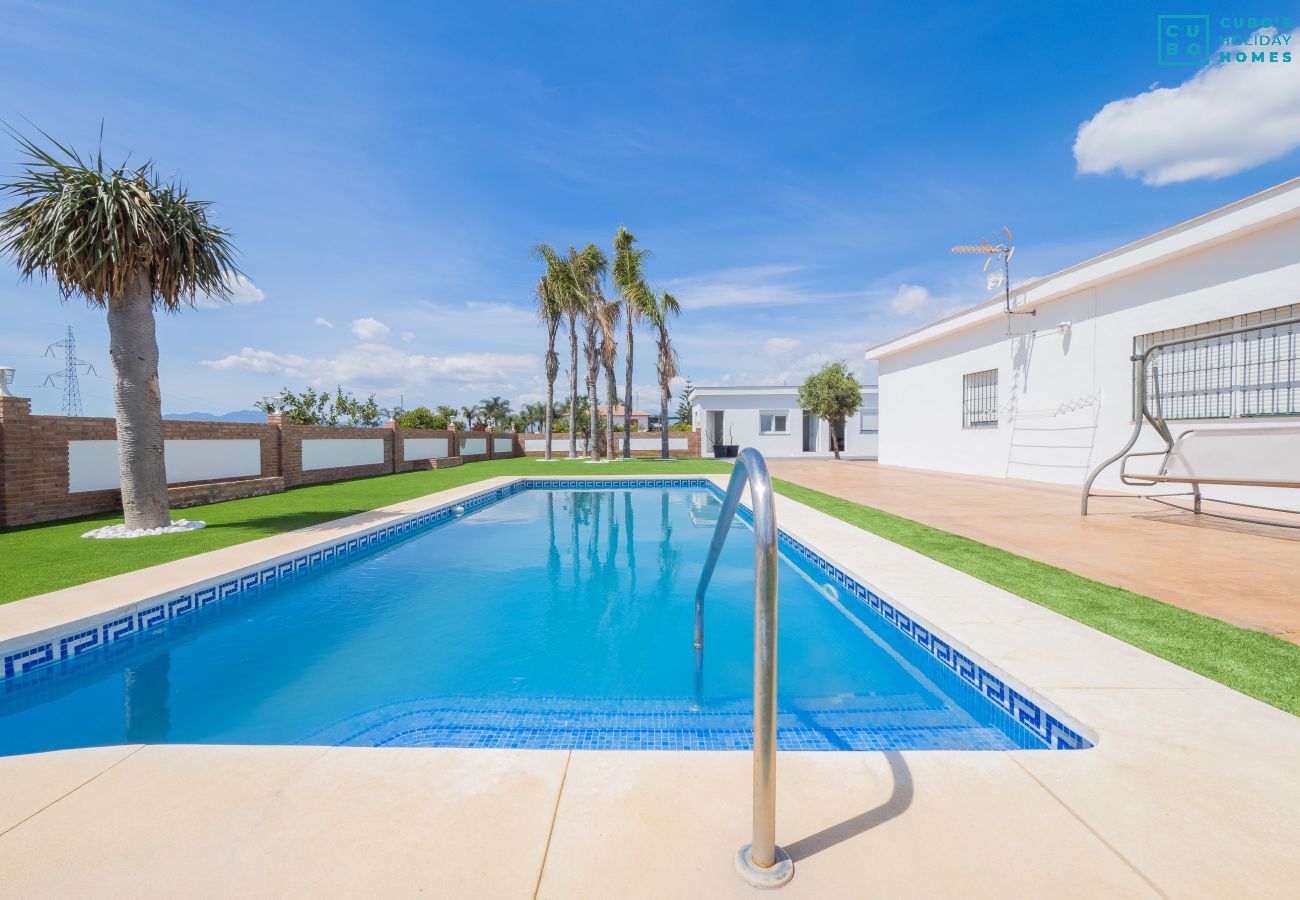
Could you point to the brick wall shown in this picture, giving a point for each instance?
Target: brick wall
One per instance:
(292, 436)
(560, 444)
(34, 483)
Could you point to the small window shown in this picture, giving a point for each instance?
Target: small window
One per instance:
(869, 414)
(773, 422)
(979, 408)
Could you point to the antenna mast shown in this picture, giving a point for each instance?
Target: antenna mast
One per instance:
(1002, 251)
(71, 387)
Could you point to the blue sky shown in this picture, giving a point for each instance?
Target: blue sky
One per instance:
(799, 172)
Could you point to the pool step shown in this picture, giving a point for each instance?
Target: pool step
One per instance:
(857, 723)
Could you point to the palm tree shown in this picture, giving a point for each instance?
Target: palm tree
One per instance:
(496, 410)
(470, 412)
(551, 306)
(550, 310)
(572, 303)
(607, 318)
(638, 303)
(129, 243)
(666, 366)
(588, 268)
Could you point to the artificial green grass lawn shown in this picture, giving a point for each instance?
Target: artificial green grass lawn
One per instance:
(39, 558)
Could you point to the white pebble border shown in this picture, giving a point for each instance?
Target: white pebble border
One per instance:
(121, 531)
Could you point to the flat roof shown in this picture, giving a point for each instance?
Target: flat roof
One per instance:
(753, 390)
(1254, 213)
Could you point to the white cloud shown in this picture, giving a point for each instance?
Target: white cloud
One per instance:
(324, 323)
(369, 329)
(768, 285)
(384, 369)
(910, 300)
(242, 291)
(408, 336)
(263, 362)
(1229, 117)
(777, 346)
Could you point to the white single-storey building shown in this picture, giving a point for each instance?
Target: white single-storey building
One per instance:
(769, 419)
(1047, 392)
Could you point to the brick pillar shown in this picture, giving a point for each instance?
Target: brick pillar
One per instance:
(16, 449)
(277, 419)
(395, 441)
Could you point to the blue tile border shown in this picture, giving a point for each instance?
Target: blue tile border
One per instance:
(155, 614)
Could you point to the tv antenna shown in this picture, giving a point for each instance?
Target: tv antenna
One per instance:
(1000, 277)
(71, 365)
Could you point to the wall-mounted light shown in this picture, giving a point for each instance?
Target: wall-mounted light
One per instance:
(6, 379)
(1065, 327)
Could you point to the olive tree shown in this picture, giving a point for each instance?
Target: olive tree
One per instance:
(833, 394)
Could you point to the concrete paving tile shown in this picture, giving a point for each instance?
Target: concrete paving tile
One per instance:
(879, 825)
(1199, 789)
(200, 821)
(30, 783)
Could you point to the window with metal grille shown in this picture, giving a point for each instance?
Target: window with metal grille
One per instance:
(979, 407)
(1256, 373)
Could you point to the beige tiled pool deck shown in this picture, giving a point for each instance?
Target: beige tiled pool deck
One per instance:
(1192, 790)
(1245, 574)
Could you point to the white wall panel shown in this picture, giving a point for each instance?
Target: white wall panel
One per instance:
(93, 465)
(424, 448)
(473, 446)
(331, 453)
(503, 445)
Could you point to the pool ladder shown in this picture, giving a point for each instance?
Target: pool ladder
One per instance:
(761, 862)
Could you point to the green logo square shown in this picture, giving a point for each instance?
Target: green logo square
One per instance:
(1182, 40)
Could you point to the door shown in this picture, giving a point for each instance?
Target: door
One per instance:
(809, 432)
(713, 433)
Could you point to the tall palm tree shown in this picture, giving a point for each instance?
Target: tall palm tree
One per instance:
(550, 310)
(572, 303)
(638, 303)
(470, 413)
(666, 366)
(129, 243)
(607, 318)
(589, 268)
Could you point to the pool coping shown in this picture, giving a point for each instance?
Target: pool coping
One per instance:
(1190, 789)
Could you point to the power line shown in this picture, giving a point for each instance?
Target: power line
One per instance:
(71, 387)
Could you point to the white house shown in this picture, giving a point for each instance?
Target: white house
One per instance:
(769, 419)
(1048, 396)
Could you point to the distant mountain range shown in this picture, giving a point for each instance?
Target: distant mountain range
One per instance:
(240, 415)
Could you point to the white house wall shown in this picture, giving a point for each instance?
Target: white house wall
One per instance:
(741, 426)
(1065, 396)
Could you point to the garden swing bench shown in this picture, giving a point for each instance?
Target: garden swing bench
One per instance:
(1253, 456)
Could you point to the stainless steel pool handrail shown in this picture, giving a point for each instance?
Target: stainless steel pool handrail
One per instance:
(761, 863)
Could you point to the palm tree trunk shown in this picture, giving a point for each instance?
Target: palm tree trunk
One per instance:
(593, 376)
(552, 369)
(573, 387)
(627, 390)
(612, 391)
(133, 348)
(663, 393)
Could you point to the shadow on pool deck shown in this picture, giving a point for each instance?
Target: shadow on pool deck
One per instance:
(895, 806)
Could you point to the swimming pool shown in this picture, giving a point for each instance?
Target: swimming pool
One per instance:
(546, 614)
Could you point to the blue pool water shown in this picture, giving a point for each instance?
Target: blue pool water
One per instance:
(551, 618)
